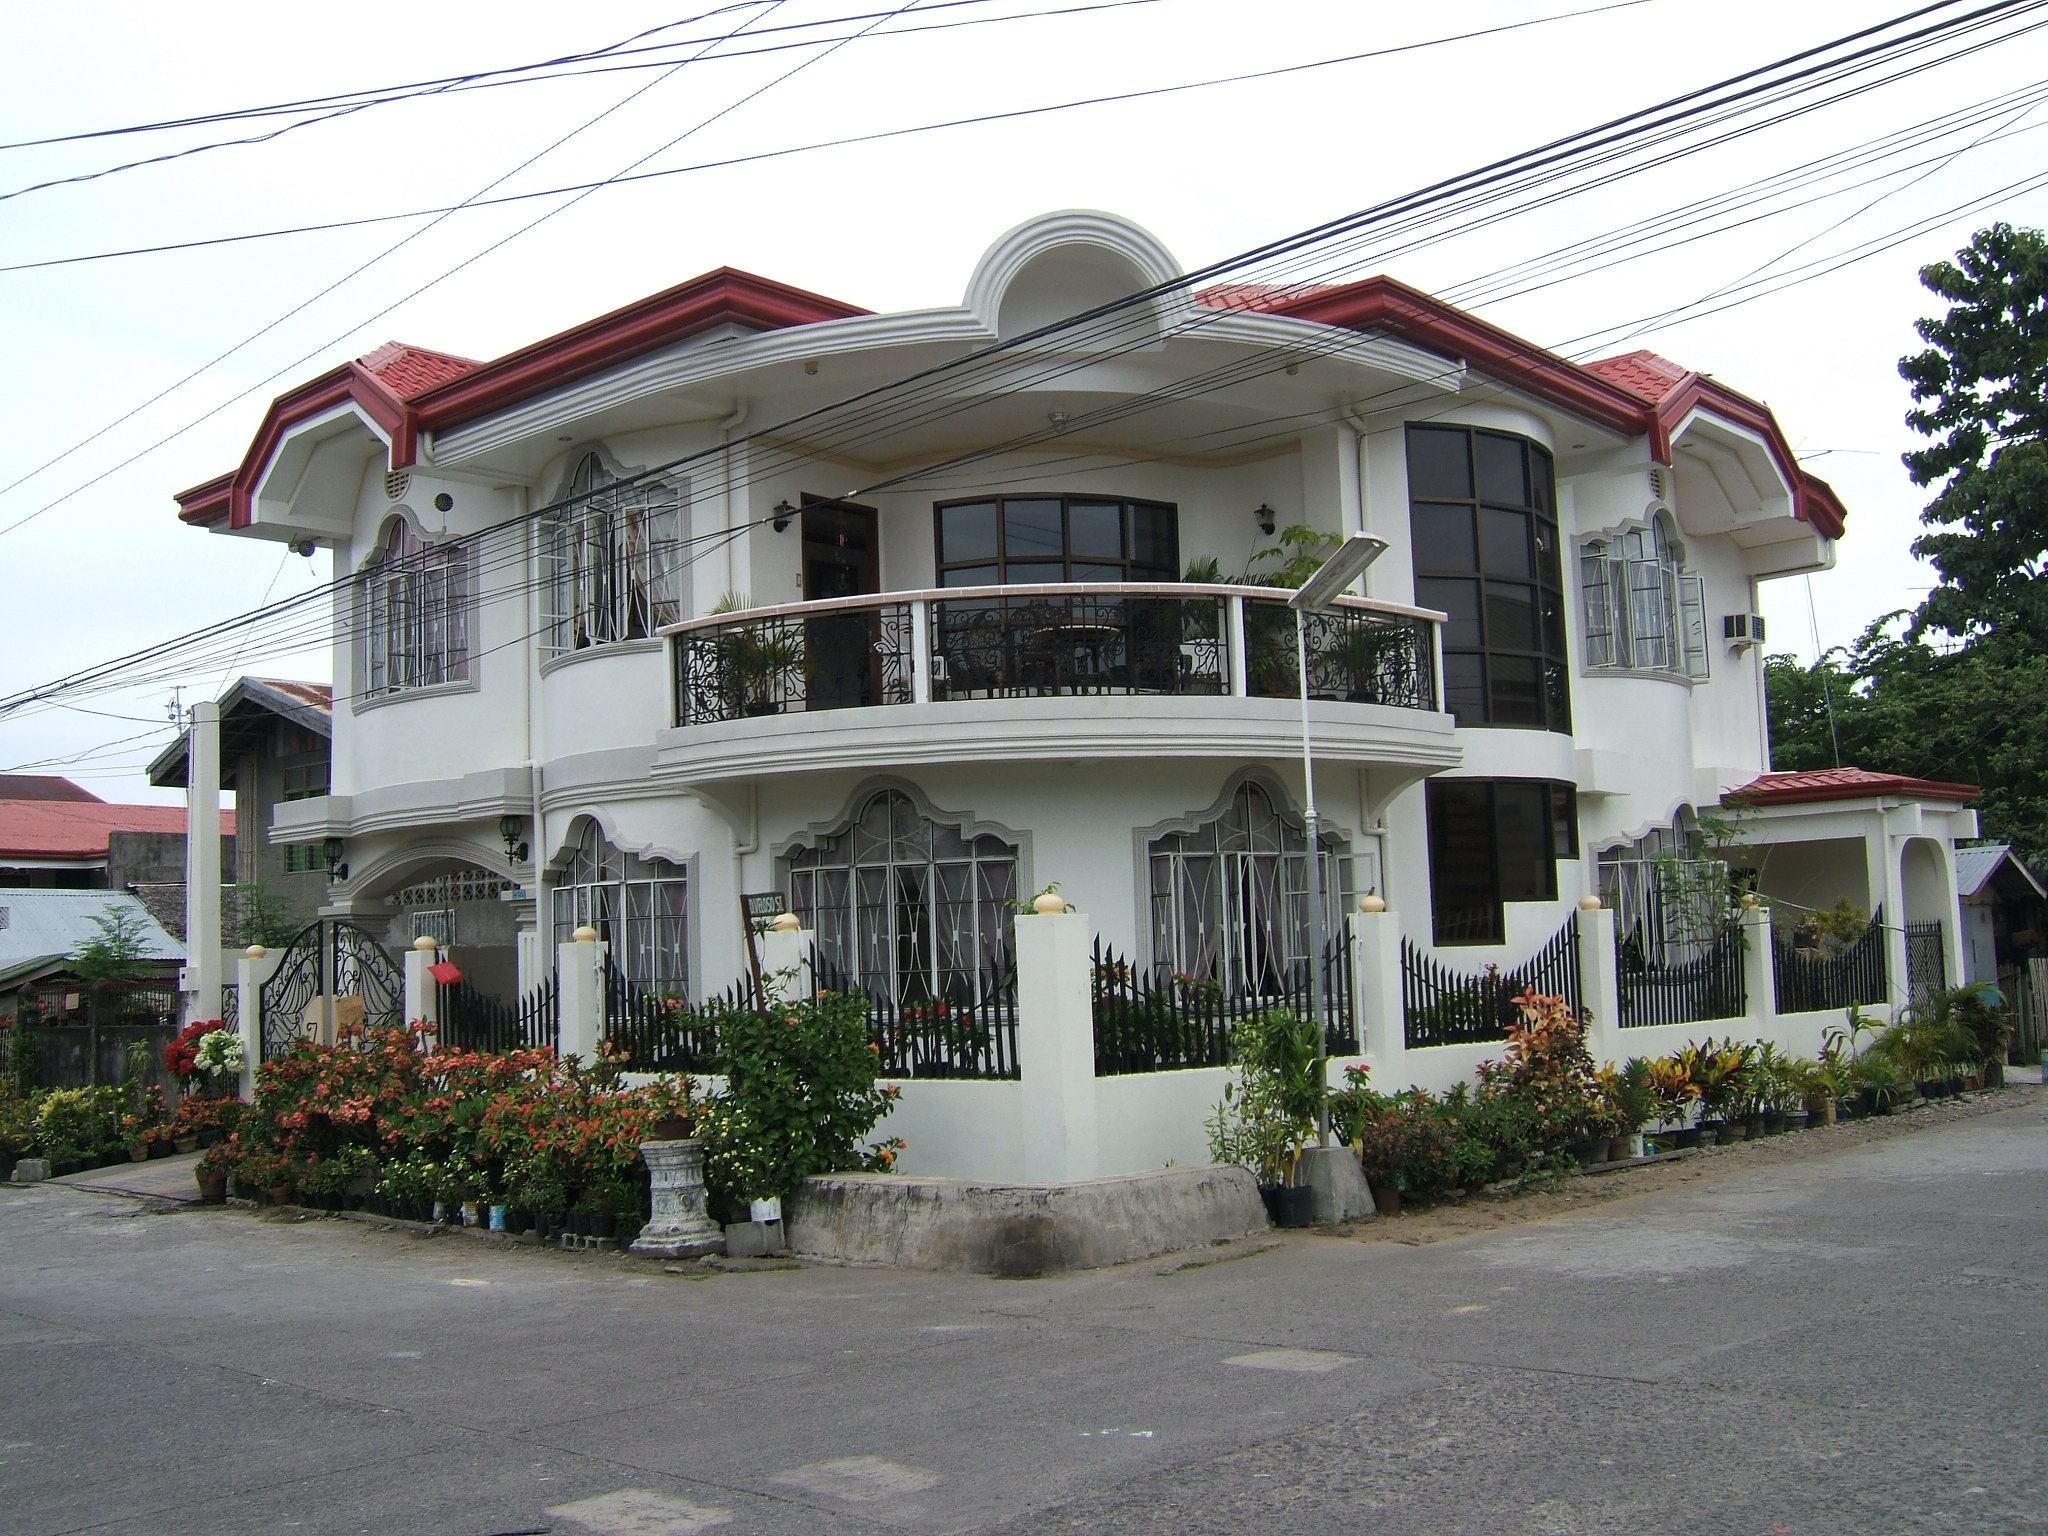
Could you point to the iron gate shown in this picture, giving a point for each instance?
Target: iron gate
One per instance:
(330, 959)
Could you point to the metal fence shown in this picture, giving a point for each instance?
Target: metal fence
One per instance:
(1926, 962)
(2029, 1010)
(1009, 647)
(1812, 980)
(661, 1033)
(334, 970)
(1365, 657)
(1709, 985)
(476, 1021)
(1441, 1006)
(842, 658)
(934, 1037)
(1167, 1023)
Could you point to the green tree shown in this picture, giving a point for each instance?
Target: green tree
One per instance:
(261, 916)
(102, 963)
(1982, 393)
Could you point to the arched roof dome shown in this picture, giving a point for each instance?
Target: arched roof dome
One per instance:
(1063, 264)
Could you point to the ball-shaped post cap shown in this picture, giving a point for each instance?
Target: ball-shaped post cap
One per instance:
(585, 935)
(426, 944)
(1048, 903)
(1589, 902)
(255, 951)
(1748, 899)
(787, 922)
(1373, 902)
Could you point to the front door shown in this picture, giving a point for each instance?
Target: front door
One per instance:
(842, 666)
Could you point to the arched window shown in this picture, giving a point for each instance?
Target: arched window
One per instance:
(415, 604)
(612, 560)
(1644, 610)
(638, 906)
(905, 907)
(1230, 898)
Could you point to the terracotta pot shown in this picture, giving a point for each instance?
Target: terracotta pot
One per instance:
(187, 1143)
(279, 1194)
(1386, 1200)
(213, 1187)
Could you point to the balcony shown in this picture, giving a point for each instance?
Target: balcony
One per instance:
(1067, 671)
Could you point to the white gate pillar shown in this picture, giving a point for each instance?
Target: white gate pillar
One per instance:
(256, 966)
(1382, 1017)
(422, 992)
(1759, 972)
(1056, 1048)
(784, 953)
(1600, 984)
(579, 974)
(201, 979)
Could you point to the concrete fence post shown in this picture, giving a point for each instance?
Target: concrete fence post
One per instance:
(1759, 973)
(784, 968)
(256, 966)
(579, 976)
(1600, 985)
(422, 992)
(1382, 1016)
(1056, 1048)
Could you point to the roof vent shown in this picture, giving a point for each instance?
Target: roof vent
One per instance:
(1656, 482)
(395, 484)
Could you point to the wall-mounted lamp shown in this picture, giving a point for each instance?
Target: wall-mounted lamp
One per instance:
(1266, 517)
(509, 828)
(332, 849)
(784, 512)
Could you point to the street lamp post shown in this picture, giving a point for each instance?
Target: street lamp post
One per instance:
(1315, 595)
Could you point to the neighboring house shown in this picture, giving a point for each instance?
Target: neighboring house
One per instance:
(2005, 913)
(40, 932)
(274, 749)
(988, 673)
(56, 836)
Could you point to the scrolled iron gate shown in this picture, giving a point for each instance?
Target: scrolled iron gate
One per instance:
(331, 959)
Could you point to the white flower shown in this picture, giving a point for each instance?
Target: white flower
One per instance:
(220, 1050)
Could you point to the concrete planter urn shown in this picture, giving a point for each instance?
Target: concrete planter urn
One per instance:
(679, 1227)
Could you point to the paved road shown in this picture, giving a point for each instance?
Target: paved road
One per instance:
(1850, 1342)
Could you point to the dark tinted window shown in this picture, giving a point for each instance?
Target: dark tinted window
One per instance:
(1492, 841)
(1036, 540)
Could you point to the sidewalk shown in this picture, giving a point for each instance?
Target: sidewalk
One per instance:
(161, 1178)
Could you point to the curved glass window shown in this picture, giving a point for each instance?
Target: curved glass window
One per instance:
(611, 561)
(907, 908)
(1024, 540)
(1482, 513)
(1230, 898)
(1644, 610)
(415, 603)
(640, 907)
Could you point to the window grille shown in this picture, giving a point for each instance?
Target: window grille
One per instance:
(415, 599)
(612, 562)
(457, 885)
(639, 906)
(1644, 611)
(1230, 898)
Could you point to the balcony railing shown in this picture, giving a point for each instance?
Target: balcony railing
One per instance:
(1046, 641)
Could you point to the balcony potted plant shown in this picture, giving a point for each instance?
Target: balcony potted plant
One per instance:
(755, 662)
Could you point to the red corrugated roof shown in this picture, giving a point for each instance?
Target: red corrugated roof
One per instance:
(319, 695)
(1643, 374)
(407, 370)
(1844, 784)
(61, 829)
(39, 786)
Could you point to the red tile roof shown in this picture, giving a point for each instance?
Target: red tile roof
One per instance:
(1844, 784)
(58, 829)
(407, 370)
(39, 786)
(1643, 374)
(1260, 296)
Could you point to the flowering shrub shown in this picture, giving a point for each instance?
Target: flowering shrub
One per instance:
(181, 1056)
(219, 1050)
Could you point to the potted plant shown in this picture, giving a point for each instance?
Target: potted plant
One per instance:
(1633, 1100)
(1268, 1113)
(756, 663)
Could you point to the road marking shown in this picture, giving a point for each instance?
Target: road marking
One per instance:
(858, 1479)
(1475, 1306)
(1314, 1361)
(402, 1354)
(469, 1282)
(640, 1512)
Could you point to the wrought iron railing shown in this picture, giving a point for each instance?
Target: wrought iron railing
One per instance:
(1162, 1022)
(1708, 985)
(1926, 962)
(970, 1036)
(839, 657)
(1811, 980)
(656, 1032)
(332, 971)
(1355, 654)
(1028, 641)
(1441, 1006)
(1008, 646)
(476, 1021)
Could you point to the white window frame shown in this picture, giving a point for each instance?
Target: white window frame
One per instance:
(414, 599)
(1643, 610)
(639, 906)
(612, 561)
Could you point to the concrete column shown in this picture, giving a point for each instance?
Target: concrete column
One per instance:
(532, 961)
(1759, 972)
(1056, 1048)
(1888, 894)
(785, 973)
(422, 992)
(202, 977)
(1382, 1022)
(256, 966)
(1600, 985)
(580, 974)
(923, 661)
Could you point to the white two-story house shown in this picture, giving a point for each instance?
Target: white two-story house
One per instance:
(743, 590)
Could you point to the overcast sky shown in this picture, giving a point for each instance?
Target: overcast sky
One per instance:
(892, 225)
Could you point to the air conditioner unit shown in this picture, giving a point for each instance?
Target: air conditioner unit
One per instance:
(1742, 630)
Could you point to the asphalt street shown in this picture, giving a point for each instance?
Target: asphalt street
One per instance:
(1854, 1340)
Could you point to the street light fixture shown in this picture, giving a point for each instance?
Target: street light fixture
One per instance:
(1315, 595)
